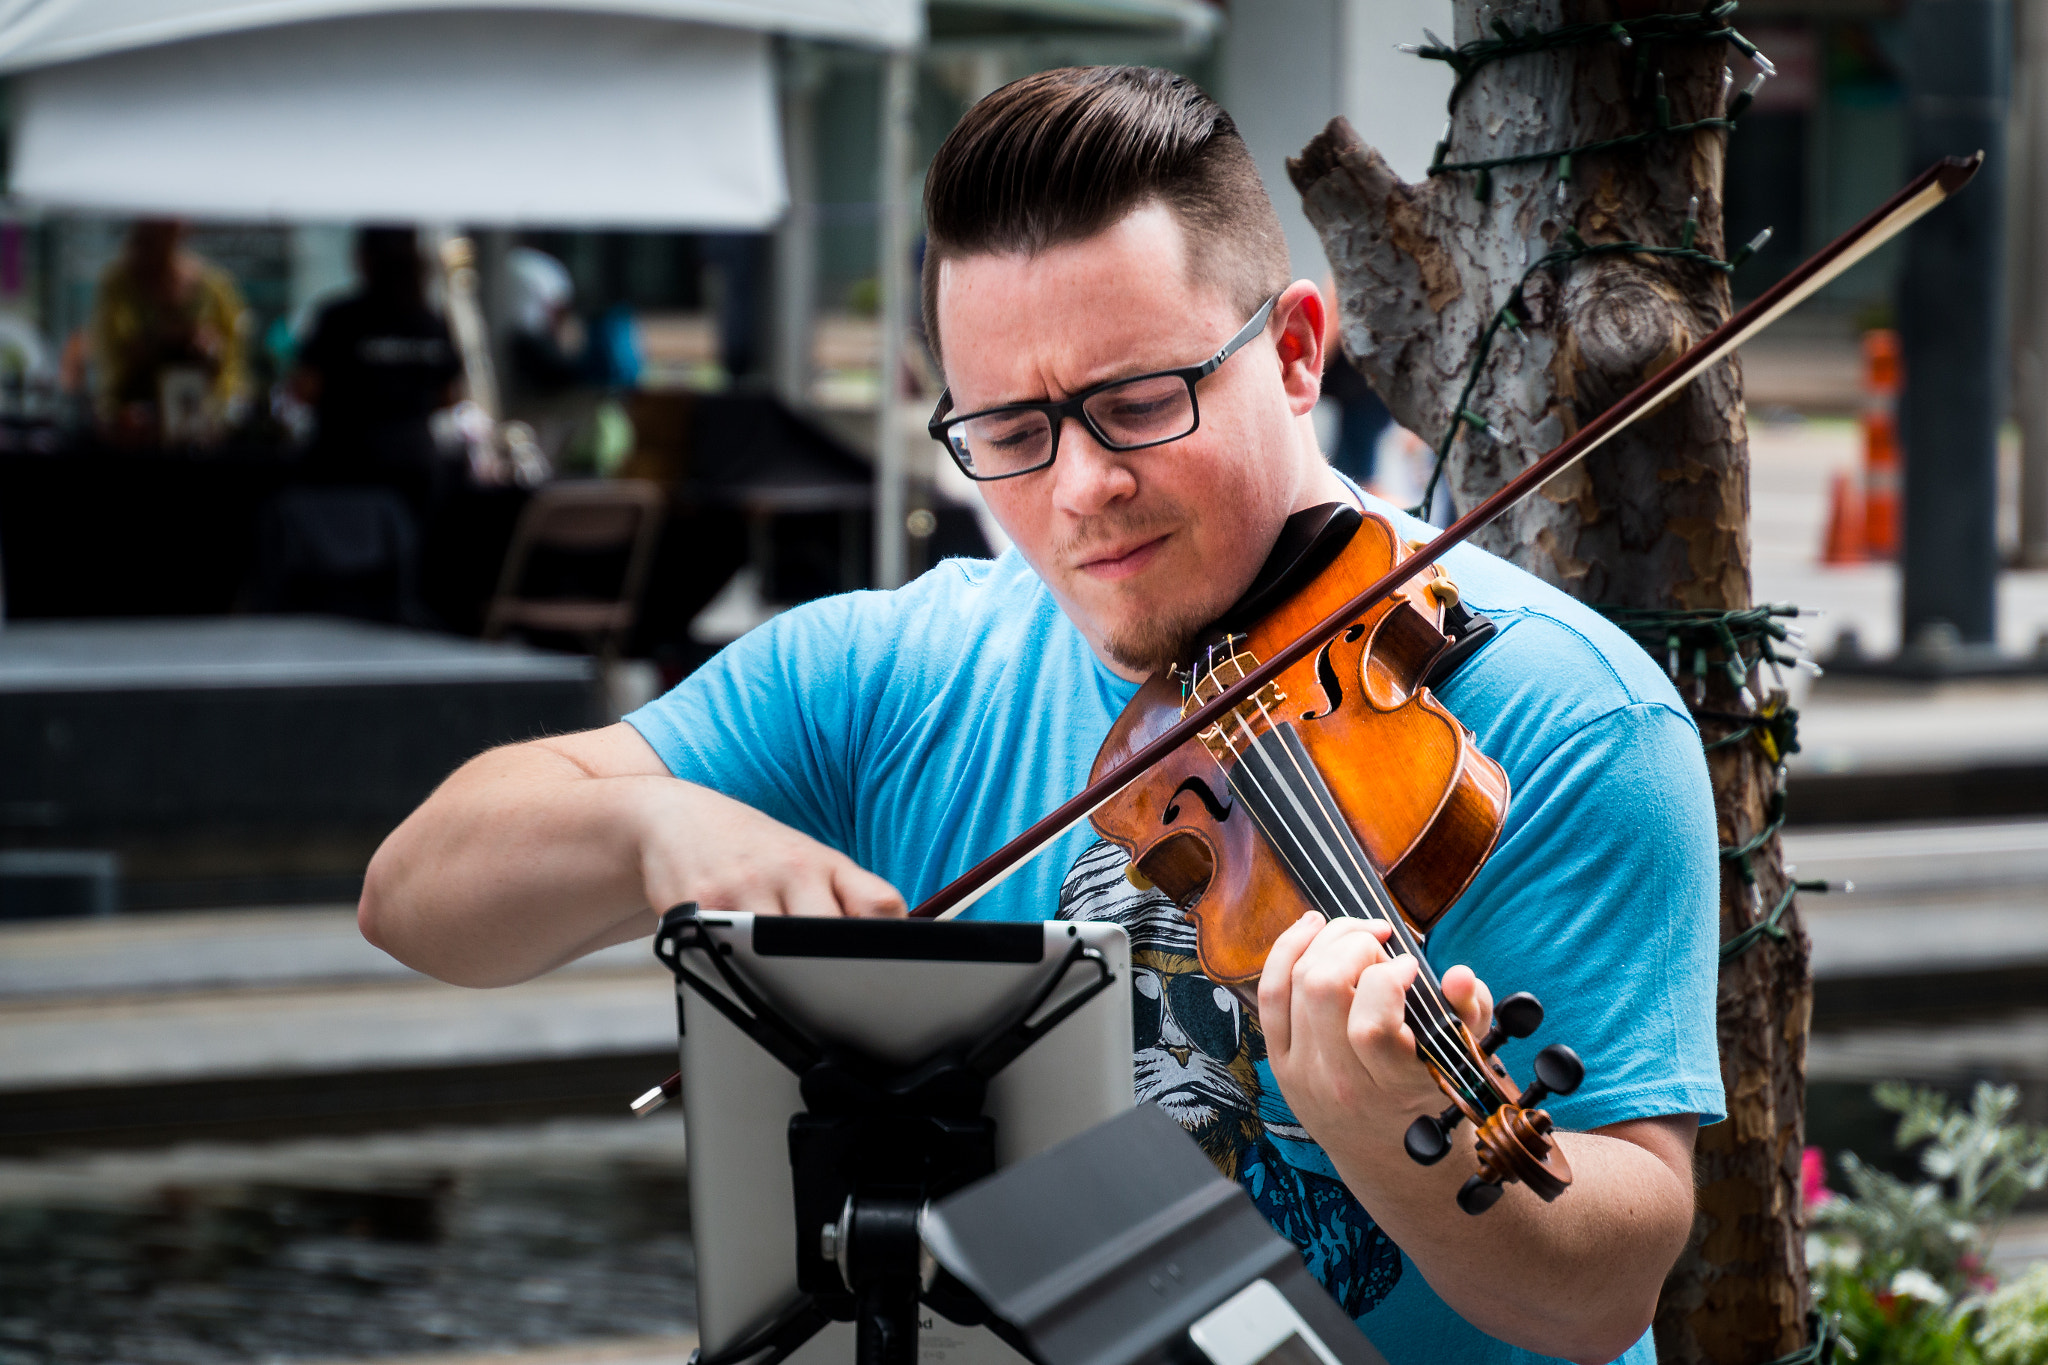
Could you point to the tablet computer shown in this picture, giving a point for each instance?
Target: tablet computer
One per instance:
(898, 991)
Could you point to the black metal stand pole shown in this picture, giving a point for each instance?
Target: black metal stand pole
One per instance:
(1952, 330)
(884, 1263)
(885, 1330)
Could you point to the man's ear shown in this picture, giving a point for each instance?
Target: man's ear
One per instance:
(1299, 318)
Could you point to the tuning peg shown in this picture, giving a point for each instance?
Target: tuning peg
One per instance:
(1428, 1139)
(1518, 1016)
(1476, 1196)
(1558, 1072)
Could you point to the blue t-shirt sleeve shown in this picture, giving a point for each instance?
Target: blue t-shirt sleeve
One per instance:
(1602, 900)
(773, 720)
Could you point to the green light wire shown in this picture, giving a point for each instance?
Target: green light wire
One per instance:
(1709, 23)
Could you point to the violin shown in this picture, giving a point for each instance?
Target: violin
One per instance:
(1251, 699)
(1282, 805)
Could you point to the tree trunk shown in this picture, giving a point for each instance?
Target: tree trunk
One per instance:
(1658, 518)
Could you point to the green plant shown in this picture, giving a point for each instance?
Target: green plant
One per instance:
(1883, 1326)
(2013, 1321)
(1981, 1163)
(1901, 1267)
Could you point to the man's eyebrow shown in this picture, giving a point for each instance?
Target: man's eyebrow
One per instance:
(1110, 376)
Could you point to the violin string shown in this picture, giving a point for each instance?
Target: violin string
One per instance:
(1436, 1048)
(1368, 876)
(1433, 1015)
(1435, 1041)
(1368, 890)
(1362, 910)
(1432, 1038)
(1427, 988)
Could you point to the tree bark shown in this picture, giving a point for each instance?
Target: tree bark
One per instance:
(1658, 518)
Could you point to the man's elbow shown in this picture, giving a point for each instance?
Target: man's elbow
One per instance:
(1611, 1341)
(374, 909)
(388, 917)
(1613, 1327)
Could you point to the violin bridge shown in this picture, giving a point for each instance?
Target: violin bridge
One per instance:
(1216, 675)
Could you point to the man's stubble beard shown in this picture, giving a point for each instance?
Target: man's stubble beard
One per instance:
(1160, 637)
(1150, 645)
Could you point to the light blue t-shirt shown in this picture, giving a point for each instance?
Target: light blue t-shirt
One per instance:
(918, 730)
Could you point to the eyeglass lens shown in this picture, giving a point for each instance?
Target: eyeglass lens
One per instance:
(1141, 412)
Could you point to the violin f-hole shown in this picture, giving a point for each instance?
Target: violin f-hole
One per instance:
(1218, 811)
(1180, 866)
(1326, 676)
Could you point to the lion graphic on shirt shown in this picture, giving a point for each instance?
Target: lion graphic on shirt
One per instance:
(1197, 1056)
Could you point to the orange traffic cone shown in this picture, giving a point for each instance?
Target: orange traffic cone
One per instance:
(1881, 374)
(1846, 521)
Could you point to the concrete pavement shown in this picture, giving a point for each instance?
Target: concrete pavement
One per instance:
(671, 1350)
(1928, 899)
(178, 1026)
(187, 996)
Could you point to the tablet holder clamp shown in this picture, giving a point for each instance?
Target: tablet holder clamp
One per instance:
(873, 1147)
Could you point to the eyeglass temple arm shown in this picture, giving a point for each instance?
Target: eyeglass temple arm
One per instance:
(1244, 334)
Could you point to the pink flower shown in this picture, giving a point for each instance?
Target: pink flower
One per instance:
(1813, 1178)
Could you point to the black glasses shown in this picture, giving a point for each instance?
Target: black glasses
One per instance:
(1187, 1010)
(1123, 414)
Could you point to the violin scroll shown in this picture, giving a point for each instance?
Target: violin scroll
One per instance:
(1513, 1134)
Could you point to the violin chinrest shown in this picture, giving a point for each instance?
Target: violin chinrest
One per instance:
(1309, 542)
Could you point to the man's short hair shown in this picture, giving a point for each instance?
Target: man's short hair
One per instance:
(1060, 156)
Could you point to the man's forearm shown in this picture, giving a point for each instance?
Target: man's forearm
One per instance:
(1577, 1277)
(538, 853)
(521, 861)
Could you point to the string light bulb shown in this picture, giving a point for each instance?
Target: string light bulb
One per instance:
(1478, 424)
(1750, 248)
(1747, 97)
(1692, 223)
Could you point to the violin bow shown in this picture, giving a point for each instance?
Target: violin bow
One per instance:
(1890, 218)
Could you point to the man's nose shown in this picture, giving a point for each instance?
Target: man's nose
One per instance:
(1087, 476)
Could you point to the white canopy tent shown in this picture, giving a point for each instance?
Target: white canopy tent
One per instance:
(563, 113)
(570, 113)
(43, 32)
(611, 113)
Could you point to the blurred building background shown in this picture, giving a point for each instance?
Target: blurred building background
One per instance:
(665, 379)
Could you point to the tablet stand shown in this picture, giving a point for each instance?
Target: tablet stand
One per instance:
(873, 1147)
(1119, 1246)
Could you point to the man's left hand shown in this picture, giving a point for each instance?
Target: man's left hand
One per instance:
(1577, 1278)
(1332, 1003)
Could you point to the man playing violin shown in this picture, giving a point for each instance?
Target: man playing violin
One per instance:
(1131, 375)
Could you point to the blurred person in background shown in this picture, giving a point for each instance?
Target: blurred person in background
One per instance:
(547, 336)
(553, 390)
(376, 367)
(167, 342)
